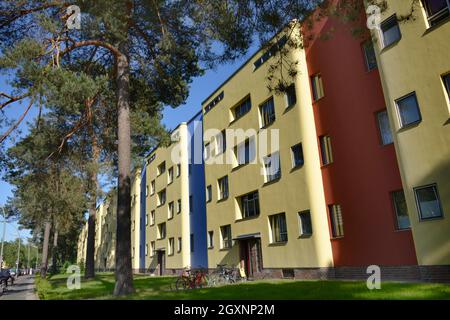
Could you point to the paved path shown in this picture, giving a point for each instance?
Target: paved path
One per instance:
(23, 289)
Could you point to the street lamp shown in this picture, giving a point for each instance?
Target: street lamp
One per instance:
(3, 238)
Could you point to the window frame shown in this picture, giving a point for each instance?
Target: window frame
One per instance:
(380, 133)
(400, 122)
(208, 193)
(170, 175)
(210, 237)
(288, 93)
(278, 238)
(438, 17)
(223, 194)
(272, 176)
(171, 210)
(268, 105)
(337, 231)
(171, 247)
(315, 85)
(244, 202)
(446, 84)
(396, 209)
(325, 142)
(293, 163)
(393, 20)
(302, 233)
(419, 209)
(364, 46)
(228, 243)
(245, 101)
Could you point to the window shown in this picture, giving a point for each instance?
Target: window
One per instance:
(242, 108)
(170, 175)
(249, 205)
(171, 246)
(215, 101)
(446, 80)
(207, 151)
(210, 239)
(408, 110)
(152, 187)
(208, 193)
(390, 31)
(152, 248)
(162, 230)
(436, 10)
(178, 170)
(278, 228)
(297, 155)
(317, 87)
(270, 52)
(428, 203)
(133, 225)
(245, 152)
(337, 223)
(179, 244)
(191, 204)
(369, 55)
(325, 150)
(221, 142)
(162, 197)
(291, 98)
(267, 112)
(171, 209)
(401, 210)
(192, 242)
(272, 167)
(223, 187)
(179, 206)
(146, 249)
(304, 220)
(225, 234)
(152, 217)
(385, 129)
(161, 168)
(146, 190)
(146, 219)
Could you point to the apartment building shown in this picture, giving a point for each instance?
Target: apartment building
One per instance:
(105, 230)
(265, 206)
(175, 202)
(413, 59)
(363, 189)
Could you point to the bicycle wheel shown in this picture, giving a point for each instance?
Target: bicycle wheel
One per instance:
(182, 284)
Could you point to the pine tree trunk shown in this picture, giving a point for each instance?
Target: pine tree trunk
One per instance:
(44, 263)
(90, 251)
(124, 276)
(54, 251)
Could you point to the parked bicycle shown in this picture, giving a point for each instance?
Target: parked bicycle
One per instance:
(223, 275)
(190, 279)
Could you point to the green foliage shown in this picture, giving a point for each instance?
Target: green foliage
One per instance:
(10, 254)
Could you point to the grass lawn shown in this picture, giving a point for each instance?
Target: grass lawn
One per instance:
(155, 288)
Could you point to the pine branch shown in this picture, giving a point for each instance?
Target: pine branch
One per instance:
(14, 126)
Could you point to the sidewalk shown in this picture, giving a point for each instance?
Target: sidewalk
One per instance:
(23, 289)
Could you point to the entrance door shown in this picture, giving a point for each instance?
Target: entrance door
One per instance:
(162, 262)
(251, 257)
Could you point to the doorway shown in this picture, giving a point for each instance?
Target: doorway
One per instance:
(251, 256)
(162, 262)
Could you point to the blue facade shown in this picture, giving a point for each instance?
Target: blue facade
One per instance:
(197, 218)
(142, 225)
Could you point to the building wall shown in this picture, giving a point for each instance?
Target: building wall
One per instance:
(415, 63)
(197, 218)
(178, 226)
(364, 172)
(144, 219)
(297, 190)
(136, 219)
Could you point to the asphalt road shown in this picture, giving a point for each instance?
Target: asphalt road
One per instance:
(23, 289)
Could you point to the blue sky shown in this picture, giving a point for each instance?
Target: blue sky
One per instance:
(200, 89)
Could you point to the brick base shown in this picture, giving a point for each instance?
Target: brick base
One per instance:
(388, 273)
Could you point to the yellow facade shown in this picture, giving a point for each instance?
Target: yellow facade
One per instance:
(297, 190)
(105, 230)
(172, 249)
(415, 63)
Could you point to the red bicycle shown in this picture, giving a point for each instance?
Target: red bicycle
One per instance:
(191, 280)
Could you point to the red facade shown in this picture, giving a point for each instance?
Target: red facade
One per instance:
(364, 172)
